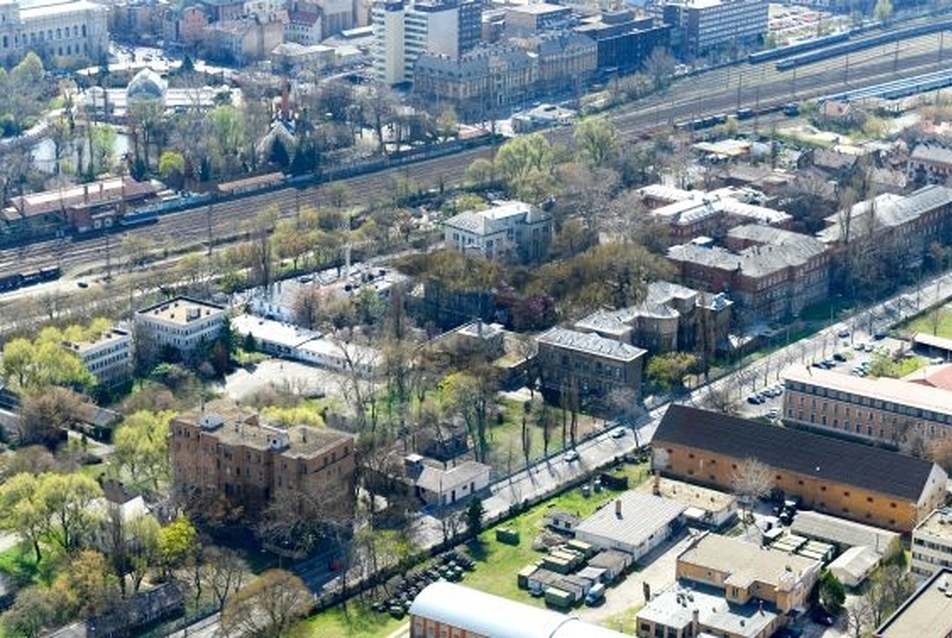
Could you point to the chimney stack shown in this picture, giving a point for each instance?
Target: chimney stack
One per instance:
(618, 508)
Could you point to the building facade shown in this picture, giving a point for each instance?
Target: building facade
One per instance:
(929, 164)
(873, 410)
(181, 325)
(404, 30)
(513, 231)
(63, 34)
(108, 357)
(224, 452)
(702, 27)
(932, 544)
(585, 369)
(624, 41)
(850, 480)
(773, 274)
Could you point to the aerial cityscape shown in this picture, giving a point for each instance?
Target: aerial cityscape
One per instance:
(475, 319)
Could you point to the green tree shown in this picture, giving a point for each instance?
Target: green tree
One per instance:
(666, 371)
(830, 592)
(448, 124)
(142, 447)
(474, 516)
(87, 586)
(102, 146)
(470, 395)
(178, 545)
(33, 611)
(268, 606)
(225, 135)
(22, 510)
(520, 157)
(172, 169)
(596, 139)
(66, 500)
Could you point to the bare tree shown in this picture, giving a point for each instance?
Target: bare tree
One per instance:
(751, 481)
(268, 606)
(223, 570)
(720, 399)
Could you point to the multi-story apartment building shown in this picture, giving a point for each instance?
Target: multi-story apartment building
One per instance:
(701, 27)
(903, 225)
(244, 40)
(584, 369)
(108, 357)
(932, 544)
(221, 451)
(929, 164)
(182, 325)
(624, 41)
(774, 274)
(874, 410)
(507, 230)
(564, 61)
(404, 30)
(63, 33)
(859, 482)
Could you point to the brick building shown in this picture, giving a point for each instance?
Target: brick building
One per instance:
(586, 368)
(899, 226)
(771, 273)
(226, 452)
(850, 480)
(873, 410)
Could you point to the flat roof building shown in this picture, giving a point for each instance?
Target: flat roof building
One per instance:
(182, 325)
(926, 614)
(932, 543)
(745, 571)
(108, 357)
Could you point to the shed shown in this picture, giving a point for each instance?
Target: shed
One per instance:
(853, 566)
(522, 578)
(614, 563)
(542, 578)
(844, 534)
(562, 521)
(594, 574)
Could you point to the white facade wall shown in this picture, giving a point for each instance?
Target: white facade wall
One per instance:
(109, 360)
(63, 34)
(932, 544)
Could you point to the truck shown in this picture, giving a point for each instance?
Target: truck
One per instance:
(595, 595)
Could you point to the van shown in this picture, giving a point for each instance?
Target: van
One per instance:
(595, 595)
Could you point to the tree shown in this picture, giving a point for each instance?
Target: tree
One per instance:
(33, 611)
(66, 500)
(178, 545)
(87, 586)
(46, 414)
(883, 11)
(142, 447)
(519, 157)
(223, 571)
(720, 399)
(140, 537)
(172, 169)
(268, 606)
(830, 592)
(448, 124)
(474, 516)
(597, 140)
(751, 481)
(659, 66)
(22, 510)
(470, 395)
(666, 371)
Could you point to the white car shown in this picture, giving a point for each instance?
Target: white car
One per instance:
(619, 432)
(570, 456)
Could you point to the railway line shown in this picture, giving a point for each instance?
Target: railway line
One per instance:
(723, 90)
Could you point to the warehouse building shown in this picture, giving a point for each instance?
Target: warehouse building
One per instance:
(635, 523)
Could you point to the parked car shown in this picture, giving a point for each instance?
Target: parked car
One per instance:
(821, 616)
(839, 356)
(570, 456)
(619, 432)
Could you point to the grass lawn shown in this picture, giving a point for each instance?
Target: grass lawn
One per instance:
(499, 563)
(926, 323)
(356, 620)
(623, 622)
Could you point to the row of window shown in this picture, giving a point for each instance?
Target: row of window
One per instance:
(872, 402)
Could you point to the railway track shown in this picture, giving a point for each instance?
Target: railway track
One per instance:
(721, 90)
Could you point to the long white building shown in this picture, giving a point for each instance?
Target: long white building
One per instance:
(61, 33)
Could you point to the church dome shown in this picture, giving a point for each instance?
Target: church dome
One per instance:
(146, 85)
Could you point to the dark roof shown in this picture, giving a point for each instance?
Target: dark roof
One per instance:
(844, 462)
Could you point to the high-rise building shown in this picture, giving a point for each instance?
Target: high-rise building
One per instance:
(404, 30)
(702, 26)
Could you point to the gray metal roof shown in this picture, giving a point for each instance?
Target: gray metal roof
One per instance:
(642, 516)
(590, 343)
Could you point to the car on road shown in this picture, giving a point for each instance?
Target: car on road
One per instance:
(570, 456)
(773, 413)
(839, 356)
(82, 284)
(619, 432)
(756, 399)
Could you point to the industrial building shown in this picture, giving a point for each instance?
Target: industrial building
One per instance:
(634, 522)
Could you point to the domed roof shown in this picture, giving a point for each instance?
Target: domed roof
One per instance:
(146, 85)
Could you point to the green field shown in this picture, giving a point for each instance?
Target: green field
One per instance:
(497, 565)
(935, 322)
